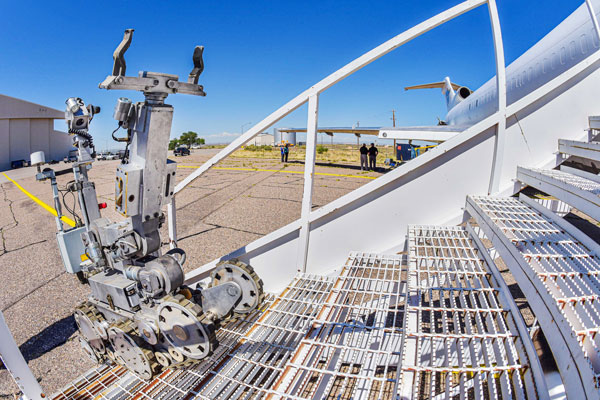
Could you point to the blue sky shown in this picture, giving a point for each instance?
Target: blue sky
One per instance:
(258, 55)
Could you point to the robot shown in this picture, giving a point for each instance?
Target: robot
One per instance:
(139, 313)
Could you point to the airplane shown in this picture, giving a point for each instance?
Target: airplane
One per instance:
(563, 47)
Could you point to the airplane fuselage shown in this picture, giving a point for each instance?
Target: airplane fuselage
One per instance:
(565, 46)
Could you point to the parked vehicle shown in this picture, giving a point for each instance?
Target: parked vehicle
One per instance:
(181, 151)
(71, 157)
(18, 164)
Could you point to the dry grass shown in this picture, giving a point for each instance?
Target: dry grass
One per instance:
(335, 154)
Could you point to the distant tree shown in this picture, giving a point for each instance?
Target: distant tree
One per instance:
(200, 141)
(189, 139)
(173, 144)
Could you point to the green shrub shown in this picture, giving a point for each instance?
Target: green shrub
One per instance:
(252, 147)
(322, 149)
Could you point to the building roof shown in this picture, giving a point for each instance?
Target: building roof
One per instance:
(11, 107)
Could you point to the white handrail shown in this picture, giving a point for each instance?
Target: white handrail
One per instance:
(321, 86)
(501, 90)
(334, 78)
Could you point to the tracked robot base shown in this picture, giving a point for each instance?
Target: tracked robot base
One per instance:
(139, 313)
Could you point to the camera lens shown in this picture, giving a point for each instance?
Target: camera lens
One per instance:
(79, 122)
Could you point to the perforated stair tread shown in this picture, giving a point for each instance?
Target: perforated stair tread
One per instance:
(579, 192)
(560, 278)
(461, 337)
(589, 150)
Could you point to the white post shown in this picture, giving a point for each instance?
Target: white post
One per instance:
(17, 366)
(593, 17)
(309, 170)
(172, 223)
(501, 90)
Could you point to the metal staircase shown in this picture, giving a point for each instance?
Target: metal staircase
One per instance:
(437, 322)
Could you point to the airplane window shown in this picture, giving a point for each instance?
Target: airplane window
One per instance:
(530, 74)
(538, 68)
(545, 65)
(563, 55)
(572, 49)
(594, 36)
(583, 43)
(523, 77)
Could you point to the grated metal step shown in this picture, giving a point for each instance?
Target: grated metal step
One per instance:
(577, 191)
(249, 358)
(558, 270)
(352, 349)
(464, 337)
(589, 150)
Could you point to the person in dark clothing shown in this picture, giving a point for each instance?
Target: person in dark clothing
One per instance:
(363, 157)
(282, 153)
(373, 156)
(286, 153)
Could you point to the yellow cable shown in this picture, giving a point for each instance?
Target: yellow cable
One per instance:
(51, 210)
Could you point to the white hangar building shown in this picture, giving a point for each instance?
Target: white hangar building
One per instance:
(27, 127)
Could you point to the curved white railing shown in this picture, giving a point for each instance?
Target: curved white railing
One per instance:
(422, 165)
(311, 96)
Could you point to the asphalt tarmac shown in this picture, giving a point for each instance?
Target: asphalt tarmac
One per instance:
(218, 213)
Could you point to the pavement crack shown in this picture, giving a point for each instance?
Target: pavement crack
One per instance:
(10, 225)
(32, 290)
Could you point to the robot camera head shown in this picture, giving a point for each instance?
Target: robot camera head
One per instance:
(77, 115)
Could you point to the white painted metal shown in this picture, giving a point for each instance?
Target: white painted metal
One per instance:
(590, 150)
(172, 222)
(578, 192)
(464, 333)
(593, 17)
(558, 276)
(516, 316)
(309, 169)
(411, 192)
(17, 366)
(439, 133)
(352, 348)
(501, 91)
(594, 121)
(580, 173)
(584, 239)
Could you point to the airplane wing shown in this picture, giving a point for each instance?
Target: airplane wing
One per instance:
(434, 85)
(331, 130)
(436, 133)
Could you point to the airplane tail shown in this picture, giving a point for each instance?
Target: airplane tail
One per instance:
(453, 93)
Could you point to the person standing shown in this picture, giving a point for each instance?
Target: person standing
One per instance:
(286, 152)
(363, 157)
(281, 148)
(373, 156)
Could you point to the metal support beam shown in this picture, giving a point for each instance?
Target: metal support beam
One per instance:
(501, 90)
(16, 364)
(593, 17)
(309, 170)
(172, 223)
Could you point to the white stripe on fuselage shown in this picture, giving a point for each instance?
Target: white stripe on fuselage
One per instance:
(565, 46)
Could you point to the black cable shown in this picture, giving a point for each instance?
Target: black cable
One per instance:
(71, 211)
(64, 192)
